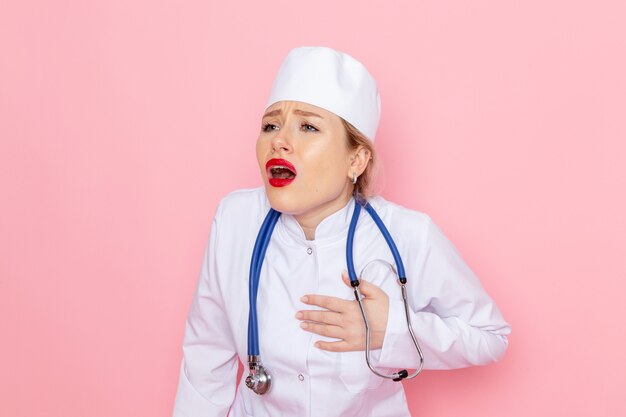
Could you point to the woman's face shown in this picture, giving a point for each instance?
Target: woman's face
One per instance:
(304, 159)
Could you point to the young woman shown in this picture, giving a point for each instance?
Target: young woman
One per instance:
(315, 152)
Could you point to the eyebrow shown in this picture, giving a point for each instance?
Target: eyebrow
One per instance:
(305, 113)
(273, 113)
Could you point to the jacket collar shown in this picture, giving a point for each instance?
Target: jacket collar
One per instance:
(332, 229)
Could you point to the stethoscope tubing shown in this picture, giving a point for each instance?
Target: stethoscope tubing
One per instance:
(259, 379)
(383, 230)
(354, 281)
(256, 263)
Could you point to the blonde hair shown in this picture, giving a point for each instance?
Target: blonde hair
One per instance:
(364, 183)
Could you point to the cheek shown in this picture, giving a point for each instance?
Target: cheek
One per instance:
(260, 156)
(328, 171)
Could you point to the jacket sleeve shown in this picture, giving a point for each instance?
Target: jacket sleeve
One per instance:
(453, 318)
(208, 370)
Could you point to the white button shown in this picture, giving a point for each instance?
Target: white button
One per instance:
(301, 377)
(309, 251)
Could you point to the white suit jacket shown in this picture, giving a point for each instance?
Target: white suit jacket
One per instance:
(455, 321)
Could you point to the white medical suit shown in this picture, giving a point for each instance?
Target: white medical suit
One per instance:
(455, 321)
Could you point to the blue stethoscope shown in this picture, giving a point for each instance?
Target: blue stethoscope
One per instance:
(259, 379)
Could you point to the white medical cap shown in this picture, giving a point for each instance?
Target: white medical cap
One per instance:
(333, 81)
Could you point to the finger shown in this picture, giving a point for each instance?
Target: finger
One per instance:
(340, 346)
(322, 329)
(327, 317)
(327, 302)
(368, 289)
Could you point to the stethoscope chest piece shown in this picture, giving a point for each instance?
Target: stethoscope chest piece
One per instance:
(259, 379)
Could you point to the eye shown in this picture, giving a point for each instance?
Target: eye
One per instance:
(308, 127)
(268, 127)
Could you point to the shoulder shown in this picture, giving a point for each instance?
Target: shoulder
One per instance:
(400, 219)
(243, 200)
(413, 228)
(242, 208)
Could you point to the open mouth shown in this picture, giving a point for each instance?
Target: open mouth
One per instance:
(280, 172)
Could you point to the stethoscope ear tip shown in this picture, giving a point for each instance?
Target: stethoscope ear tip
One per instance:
(401, 375)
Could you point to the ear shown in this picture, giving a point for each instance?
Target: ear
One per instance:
(359, 159)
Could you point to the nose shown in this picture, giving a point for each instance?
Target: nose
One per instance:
(281, 143)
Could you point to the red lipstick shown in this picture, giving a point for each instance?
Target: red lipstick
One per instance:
(280, 172)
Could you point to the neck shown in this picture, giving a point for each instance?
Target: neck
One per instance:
(310, 220)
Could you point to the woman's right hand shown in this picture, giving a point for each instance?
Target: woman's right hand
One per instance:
(342, 319)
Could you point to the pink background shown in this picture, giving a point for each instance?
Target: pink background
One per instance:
(122, 123)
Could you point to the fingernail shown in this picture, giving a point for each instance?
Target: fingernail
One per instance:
(317, 344)
(304, 325)
(304, 299)
(299, 315)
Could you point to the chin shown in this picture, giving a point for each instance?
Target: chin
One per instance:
(284, 201)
